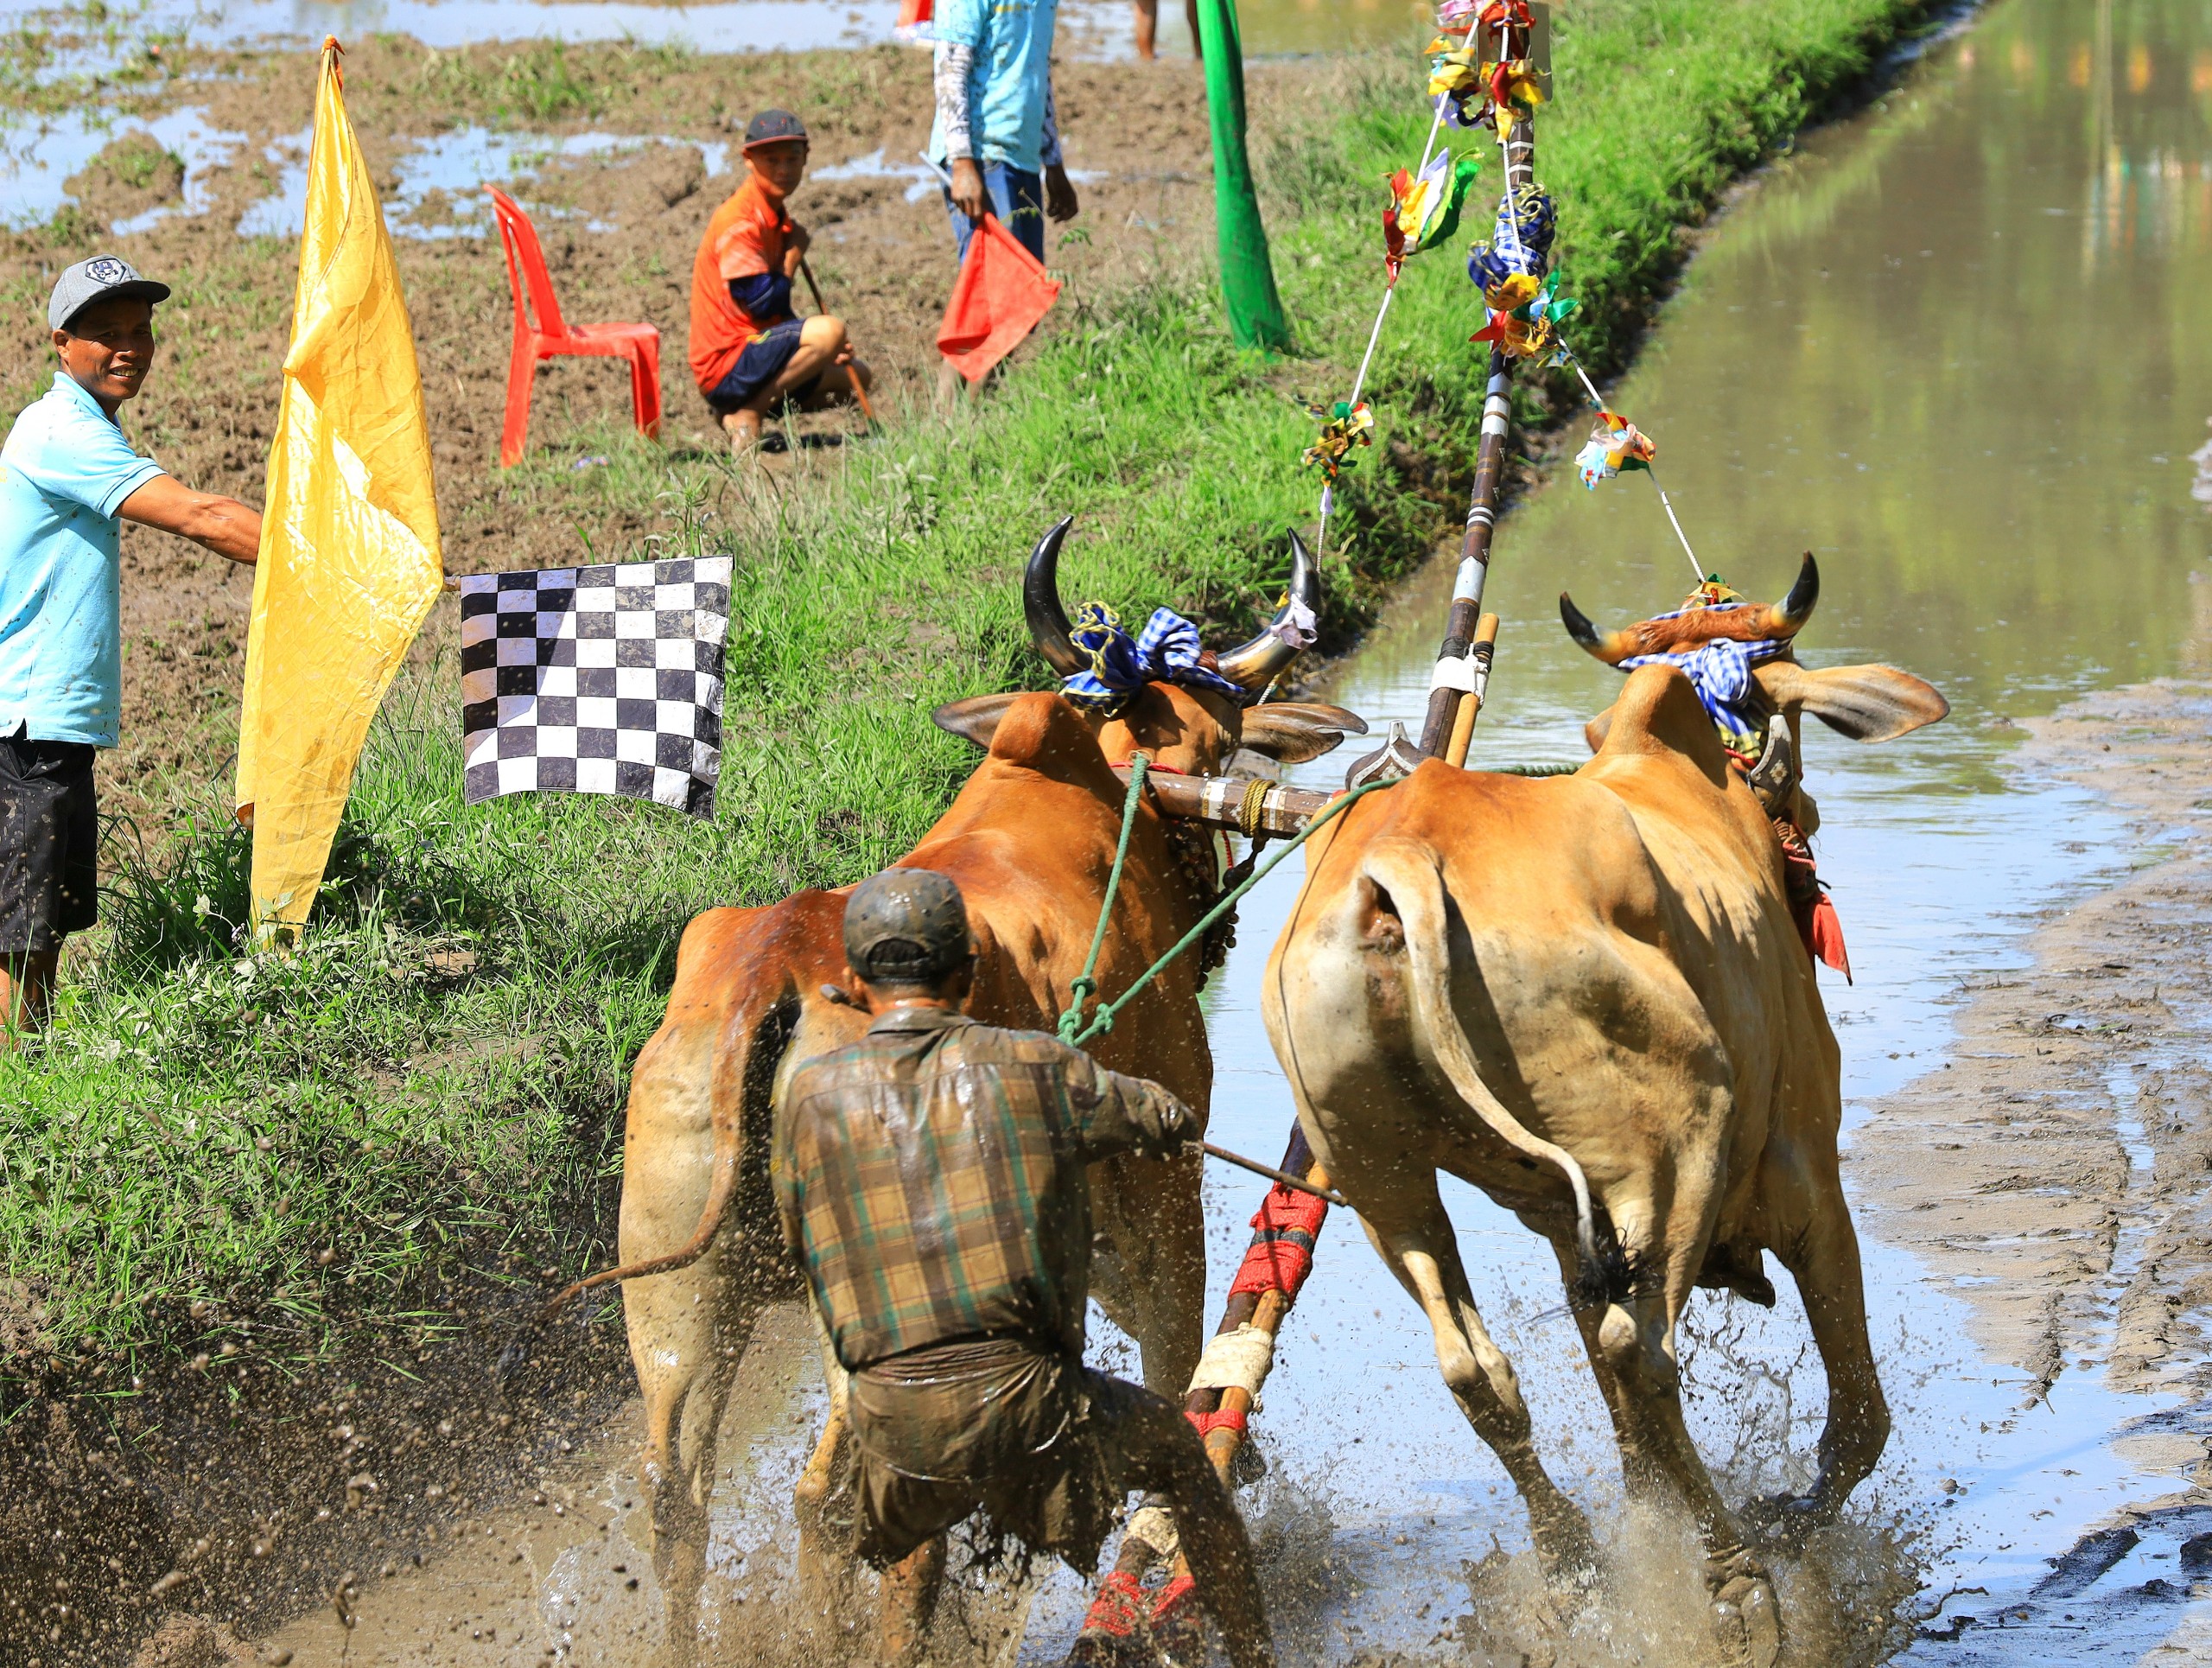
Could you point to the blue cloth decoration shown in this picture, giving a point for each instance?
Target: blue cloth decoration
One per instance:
(1168, 650)
(1521, 245)
(1721, 672)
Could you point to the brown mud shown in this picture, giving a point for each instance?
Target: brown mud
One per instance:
(2056, 1170)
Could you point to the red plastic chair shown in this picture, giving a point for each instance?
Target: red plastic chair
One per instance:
(550, 337)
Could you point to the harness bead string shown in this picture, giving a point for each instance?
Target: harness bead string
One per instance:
(1103, 1019)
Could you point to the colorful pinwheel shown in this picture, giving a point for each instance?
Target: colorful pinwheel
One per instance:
(1343, 425)
(1614, 445)
(1425, 208)
(1529, 330)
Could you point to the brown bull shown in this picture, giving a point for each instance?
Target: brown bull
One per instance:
(1030, 839)
(1587, 996)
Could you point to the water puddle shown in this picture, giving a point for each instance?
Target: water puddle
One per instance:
(440, 179)
(38, 157)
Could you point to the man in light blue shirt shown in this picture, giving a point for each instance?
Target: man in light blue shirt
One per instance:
(67, 480)
(996, 128)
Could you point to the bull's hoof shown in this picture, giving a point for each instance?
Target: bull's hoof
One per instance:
(1787, 1521)
(1569, 1552)
(1747, 1623)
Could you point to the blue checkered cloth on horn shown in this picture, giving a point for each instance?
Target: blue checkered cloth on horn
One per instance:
(1166, 650)
(1721, 672)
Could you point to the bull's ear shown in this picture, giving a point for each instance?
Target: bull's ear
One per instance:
(1290, 732)
(976, 719)
(1867, 704)
(1595, 731)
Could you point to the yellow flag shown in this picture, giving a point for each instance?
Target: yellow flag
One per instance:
(350, 562)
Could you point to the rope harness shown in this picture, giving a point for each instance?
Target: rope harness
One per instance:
(1084, 986)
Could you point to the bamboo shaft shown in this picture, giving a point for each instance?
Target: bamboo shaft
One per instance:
(1470, 703)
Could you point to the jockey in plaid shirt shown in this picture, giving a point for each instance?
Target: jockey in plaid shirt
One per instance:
(932, 1179)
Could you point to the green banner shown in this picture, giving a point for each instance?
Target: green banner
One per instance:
(1248, 277)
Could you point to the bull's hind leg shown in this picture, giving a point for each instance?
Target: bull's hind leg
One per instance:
(1824, 1261)
(1414, 1238)
(688, 1330)
(1630, 1339)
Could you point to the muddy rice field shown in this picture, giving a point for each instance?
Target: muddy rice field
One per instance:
(2026, 889)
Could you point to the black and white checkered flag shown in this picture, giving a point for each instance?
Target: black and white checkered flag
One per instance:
(604, 679)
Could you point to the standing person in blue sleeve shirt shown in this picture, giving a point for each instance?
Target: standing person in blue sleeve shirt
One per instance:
(67, 480)
(996, 128)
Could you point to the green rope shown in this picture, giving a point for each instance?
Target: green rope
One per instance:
(1103, 1019)
(1085, 986)
(1527, 770)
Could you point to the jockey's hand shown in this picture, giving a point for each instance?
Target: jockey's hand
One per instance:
(1059, 193)
(968, 188)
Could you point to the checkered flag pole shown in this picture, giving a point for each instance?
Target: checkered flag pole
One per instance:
(603, 679)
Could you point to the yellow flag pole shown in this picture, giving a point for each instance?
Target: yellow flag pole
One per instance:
(350, 560)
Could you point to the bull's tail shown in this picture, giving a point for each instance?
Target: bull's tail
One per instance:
(728, 1153)
(1410, 875)
(745, 1080)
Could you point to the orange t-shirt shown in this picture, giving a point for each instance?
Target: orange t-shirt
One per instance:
(744, 239)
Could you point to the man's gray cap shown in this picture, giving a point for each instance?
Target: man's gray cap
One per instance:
(773, 127)
(103, 277)
(906, 927)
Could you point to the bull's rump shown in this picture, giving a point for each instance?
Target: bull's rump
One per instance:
(1564, 935)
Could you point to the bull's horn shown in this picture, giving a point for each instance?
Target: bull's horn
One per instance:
(1612, 646)
(1257, 664)
(1788, 617)
(1040, 604)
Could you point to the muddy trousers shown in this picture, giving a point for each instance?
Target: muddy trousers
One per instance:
(1048, 1449)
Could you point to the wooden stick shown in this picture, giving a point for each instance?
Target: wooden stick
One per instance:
(1471, 704)
(815, 290)
(1283, 1178)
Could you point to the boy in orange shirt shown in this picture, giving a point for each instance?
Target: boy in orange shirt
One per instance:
(749, 352)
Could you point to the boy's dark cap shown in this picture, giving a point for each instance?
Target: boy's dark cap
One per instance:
(103, 277)
(773, 127)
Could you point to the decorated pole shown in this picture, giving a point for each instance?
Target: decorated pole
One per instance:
(1514, 260)
(1247, 277)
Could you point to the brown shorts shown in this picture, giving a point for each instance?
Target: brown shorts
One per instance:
(1025, 1436)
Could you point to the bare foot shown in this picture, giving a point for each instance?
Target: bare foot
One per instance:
(743, 429)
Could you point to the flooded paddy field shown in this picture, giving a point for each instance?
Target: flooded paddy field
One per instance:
(1960, 346)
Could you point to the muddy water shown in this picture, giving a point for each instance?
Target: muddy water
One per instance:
(1961, 347)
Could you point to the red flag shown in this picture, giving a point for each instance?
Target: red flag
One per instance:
(912, 15)
(1001, 293)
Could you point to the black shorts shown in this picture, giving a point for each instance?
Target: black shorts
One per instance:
(761, 364)
(49, 843)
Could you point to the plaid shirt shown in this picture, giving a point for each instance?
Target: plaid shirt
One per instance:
(931, 1177)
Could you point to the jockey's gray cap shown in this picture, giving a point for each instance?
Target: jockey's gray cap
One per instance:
(906, 927)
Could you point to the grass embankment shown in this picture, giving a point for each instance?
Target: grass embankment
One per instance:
(212, 1148)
